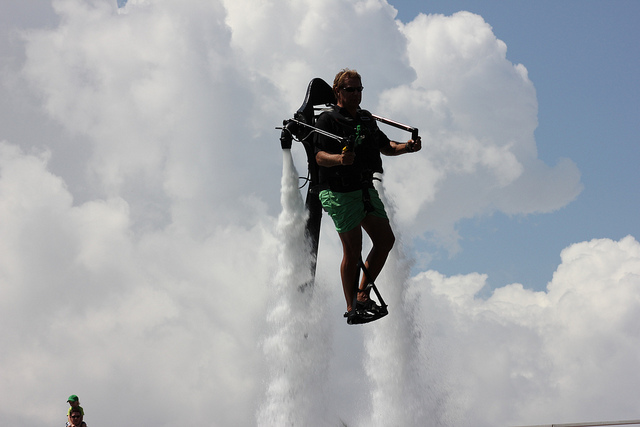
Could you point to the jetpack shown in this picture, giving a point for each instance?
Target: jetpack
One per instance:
(320, 97)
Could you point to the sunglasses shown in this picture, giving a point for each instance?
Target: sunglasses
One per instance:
(76, 416)
(353, 89)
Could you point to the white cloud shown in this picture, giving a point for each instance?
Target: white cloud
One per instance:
(525, 357)
(129, 313)
(477, 113)
(146, 268)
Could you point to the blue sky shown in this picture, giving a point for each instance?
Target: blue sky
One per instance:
(582, 57)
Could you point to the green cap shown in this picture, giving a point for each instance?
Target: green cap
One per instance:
(73, 398)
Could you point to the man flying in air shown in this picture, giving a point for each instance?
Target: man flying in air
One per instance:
(346, 180)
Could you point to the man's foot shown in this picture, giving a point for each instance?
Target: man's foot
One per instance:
(357, 316)
(352, 317)
(363, 295)
(367, 305)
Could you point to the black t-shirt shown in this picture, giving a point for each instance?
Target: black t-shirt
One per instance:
(367, 149)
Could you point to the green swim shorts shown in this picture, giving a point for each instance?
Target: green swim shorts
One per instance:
(347, 209)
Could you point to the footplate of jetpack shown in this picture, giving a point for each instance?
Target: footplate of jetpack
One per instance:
(366, 312)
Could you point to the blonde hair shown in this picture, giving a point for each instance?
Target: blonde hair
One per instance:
(343, 75)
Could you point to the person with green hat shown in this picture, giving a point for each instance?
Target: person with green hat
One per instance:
(74, 401)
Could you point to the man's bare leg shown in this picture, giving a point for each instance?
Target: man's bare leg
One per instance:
(349, 269)
(379, 230)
